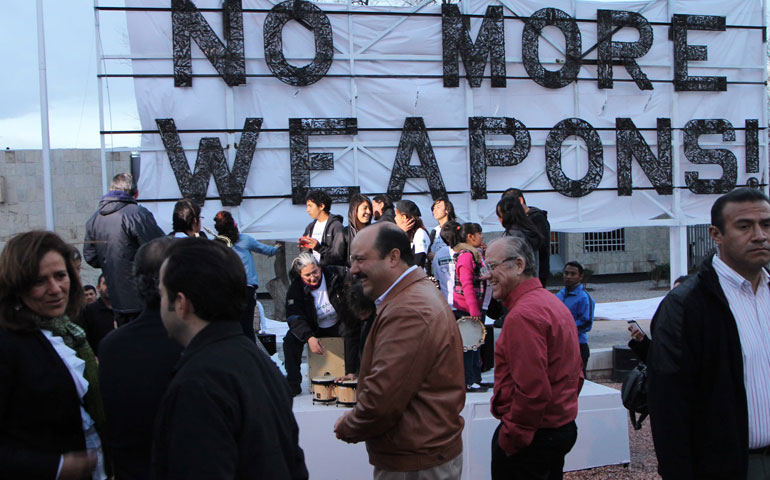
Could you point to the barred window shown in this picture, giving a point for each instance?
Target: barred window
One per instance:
(555, 243)
(612, 241)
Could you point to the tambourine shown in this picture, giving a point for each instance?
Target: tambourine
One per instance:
(472, 332)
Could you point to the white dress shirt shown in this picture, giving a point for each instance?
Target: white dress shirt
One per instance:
(752, 317)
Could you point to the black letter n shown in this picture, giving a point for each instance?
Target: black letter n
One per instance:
(188, 23)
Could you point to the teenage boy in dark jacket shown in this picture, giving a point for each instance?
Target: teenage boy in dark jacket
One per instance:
(323, 236)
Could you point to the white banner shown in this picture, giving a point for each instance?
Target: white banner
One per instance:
(387, 68)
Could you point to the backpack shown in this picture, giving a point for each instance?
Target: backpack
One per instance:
(634, 395)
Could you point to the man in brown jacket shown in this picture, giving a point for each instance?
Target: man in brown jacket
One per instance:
(411, 387)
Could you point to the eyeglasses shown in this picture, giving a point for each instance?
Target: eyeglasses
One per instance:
(488, 268)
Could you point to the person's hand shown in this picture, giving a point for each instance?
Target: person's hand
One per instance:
(77, 465)
(315, 346)
(348, 376)
(337, 424)
(636, 335)
(309, 242)
(404, 223)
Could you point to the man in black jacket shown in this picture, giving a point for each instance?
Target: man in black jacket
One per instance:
(227, 411)
(709, 359)
(135, 363)
(113, 235)
(382, 209)
(323, 236)
(539, 218)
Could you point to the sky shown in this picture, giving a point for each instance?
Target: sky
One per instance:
(71, 71)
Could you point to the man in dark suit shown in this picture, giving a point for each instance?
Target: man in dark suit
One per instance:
(227, 411)
(98, 319)
(135, 363)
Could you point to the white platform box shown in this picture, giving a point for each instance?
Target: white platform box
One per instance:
(602, 436)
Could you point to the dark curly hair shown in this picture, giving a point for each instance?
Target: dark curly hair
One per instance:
(225, 225)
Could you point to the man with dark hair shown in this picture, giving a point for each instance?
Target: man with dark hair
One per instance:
(540, 219)
(113, 235)
(580, 305)
(323, 236)
(443, 211)
(383, 209)
(186, 219)
(98, 319)
(89, 291)
(135, 363)
(537, 369)
(227, 411)
(411, 387)
(709, 358)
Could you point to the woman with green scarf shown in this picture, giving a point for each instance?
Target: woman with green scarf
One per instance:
(50, 406)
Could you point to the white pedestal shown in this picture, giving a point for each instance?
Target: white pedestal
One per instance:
(602, 436)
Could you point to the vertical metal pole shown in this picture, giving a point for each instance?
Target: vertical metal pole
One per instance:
(99, 71)
(44, 133)
(677, 234)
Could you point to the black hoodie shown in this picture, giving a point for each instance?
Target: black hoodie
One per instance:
(332, 248)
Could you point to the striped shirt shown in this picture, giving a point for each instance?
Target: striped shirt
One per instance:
(752, 316)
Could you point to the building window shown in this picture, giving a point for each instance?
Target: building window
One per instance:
(555, 250)
(612, 241)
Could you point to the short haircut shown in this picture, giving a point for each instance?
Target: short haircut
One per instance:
(19, 270)
(99, 280)
(210, 275)
(575, 264)
(450, 209)
(390, 237)
(739, 195)
(89, 287)
(320, 197)
(124, 182)
(384, 200)
(450, 233)
(146, 269)
(186, 213)
(515, 193)
(303, 260)
(516, 246)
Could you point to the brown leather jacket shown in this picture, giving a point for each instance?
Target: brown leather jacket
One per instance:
(411, 387)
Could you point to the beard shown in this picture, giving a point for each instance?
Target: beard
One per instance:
(376, 215)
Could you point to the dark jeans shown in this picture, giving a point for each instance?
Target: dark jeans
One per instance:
(247, 316)
(471, 359)
(543, 459)
(585, 352)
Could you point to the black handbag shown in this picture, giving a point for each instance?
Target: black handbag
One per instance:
(634, 395)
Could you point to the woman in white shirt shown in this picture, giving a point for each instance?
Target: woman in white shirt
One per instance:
(50, 404)
(408, 219)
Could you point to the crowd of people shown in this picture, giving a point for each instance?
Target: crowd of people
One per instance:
(157, 373)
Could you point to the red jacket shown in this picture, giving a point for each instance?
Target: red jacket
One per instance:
(538, 370)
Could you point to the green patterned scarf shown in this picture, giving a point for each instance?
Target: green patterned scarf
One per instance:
(75, 338)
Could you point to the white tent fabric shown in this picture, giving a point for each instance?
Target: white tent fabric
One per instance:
(412, 45)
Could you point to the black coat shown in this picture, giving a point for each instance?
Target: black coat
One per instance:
(539, 218)
(135, 364)
(300, 306)
(113, 235)
(97, 320)
(332, 249)
(388, 215)
(227, 414)
(39, 407)
(696, 396)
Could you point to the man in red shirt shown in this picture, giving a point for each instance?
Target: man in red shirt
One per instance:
(538, 370)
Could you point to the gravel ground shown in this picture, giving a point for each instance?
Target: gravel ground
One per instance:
(643, 465)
